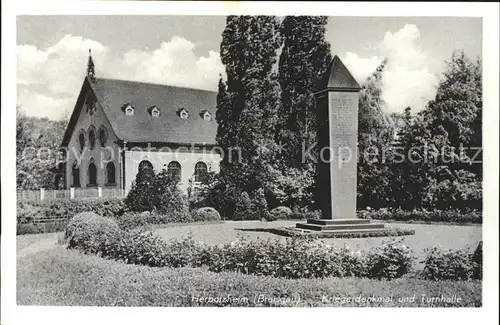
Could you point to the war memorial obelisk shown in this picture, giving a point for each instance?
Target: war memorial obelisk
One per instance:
(337, 99)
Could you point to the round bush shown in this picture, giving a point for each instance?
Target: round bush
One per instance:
(280, 213)
(88, 231)
(206, 214)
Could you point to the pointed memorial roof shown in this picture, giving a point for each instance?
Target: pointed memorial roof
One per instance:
(337, 78)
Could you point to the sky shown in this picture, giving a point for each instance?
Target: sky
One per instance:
(52, 53)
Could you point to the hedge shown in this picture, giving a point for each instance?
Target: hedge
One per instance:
(65, 208)
(134, 220)
(293, 258)
(294, 232)
(450, 216)
(40, 228)
(453, 264)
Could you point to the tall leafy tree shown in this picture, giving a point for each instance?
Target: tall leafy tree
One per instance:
(372, 118)
(375, 133)
(37, 143)
(458, 106)
(437, 176)
(304, 59)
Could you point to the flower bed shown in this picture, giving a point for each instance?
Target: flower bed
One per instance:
(388, 232)
(424, 216)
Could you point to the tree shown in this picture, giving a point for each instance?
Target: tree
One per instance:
(166, 196)
(156, 192)
(247, 104)
(458, 107)
(37, 144)
(375, 133)
(141, 195)
(304, 59)
(243, 209)
(260, 205)
(372, 118)
(437, 176)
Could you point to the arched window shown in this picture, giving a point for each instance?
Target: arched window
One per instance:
(92, 174)
(103, 136)
(110, 173)
(174, 170)
(145, 164)
(81, 140)
(75, 173)
(200, 171)
(92, 137)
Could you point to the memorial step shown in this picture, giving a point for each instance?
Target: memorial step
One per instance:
(338, 221)
(345, 231)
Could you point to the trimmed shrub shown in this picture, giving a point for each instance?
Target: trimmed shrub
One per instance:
(452, 216)
(390, 261)
(206, 214)
(88, 231)
(448, 265)
(243, 209)
(280, 213)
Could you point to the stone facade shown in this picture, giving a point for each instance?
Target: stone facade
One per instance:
(117, 124)
(160, 159)
(99, 155)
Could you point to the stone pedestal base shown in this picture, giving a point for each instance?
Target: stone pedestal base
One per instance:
(341, 226)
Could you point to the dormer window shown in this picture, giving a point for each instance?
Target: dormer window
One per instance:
(183, 113)
(128, 109)
(206, 115)
(154, 111)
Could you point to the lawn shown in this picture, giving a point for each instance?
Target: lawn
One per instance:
(57, 276)
(446, 236)
(49, 274)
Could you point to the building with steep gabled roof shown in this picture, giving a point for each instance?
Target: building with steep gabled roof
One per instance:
(119, 126)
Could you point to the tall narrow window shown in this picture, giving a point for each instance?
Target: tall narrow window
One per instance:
(92, 174)
(200, 171)
(110, 174)
(81, 140)
(174, 170)
(145, 164)
(75, 173)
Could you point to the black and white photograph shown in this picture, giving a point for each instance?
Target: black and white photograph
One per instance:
(250, 159)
